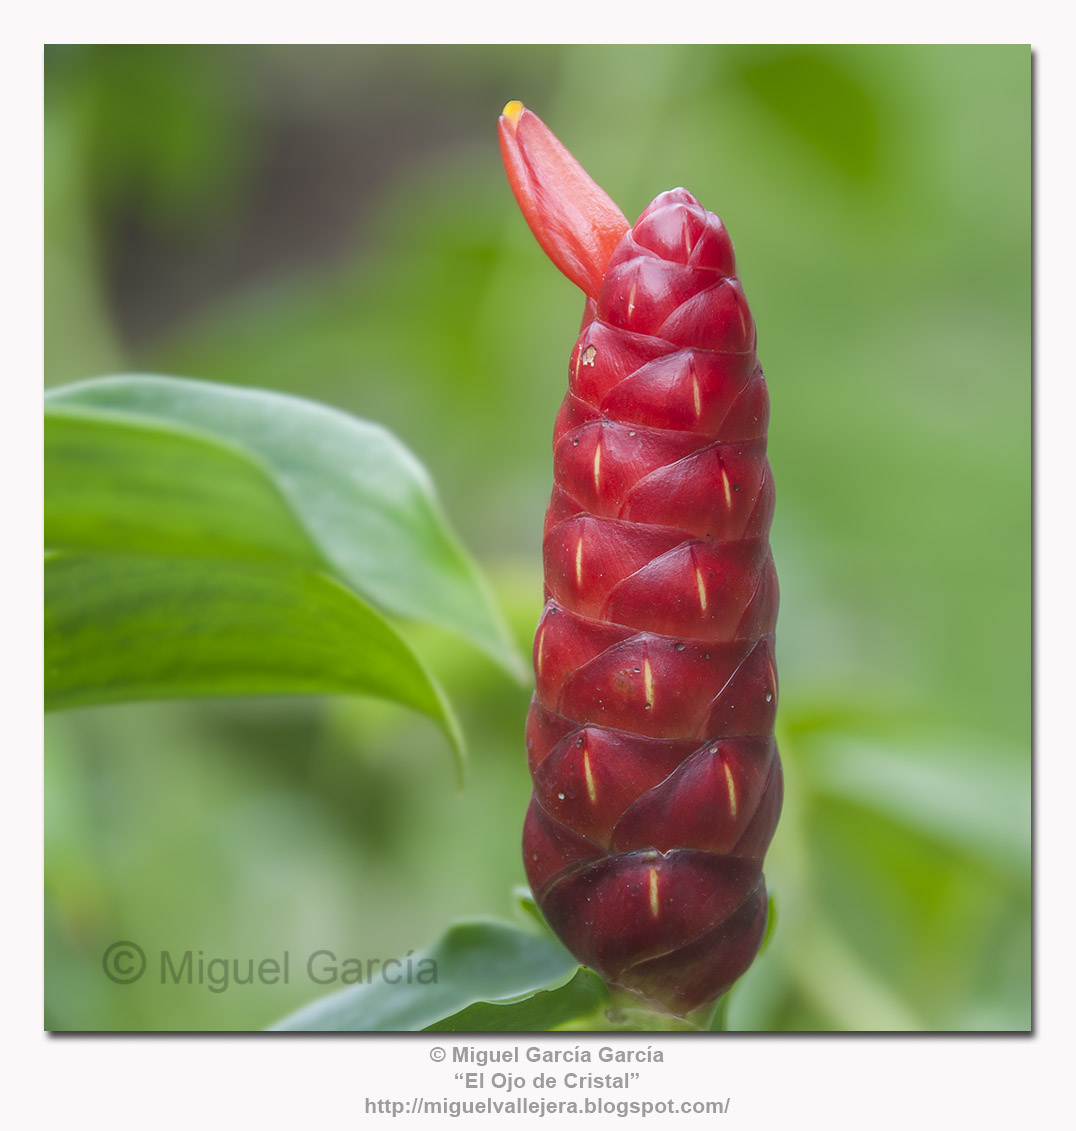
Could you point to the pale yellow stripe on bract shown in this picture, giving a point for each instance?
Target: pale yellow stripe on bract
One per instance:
(702, 588)
(579, 562)
(597, 465)
(648, 684)
(745, 325)
(592, 788)
(655, 907)
(727, 486)
(732, 787)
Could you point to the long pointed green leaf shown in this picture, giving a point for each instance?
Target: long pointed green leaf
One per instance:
(122, 484)
(362, 497)
(124, 627)
(538, 1012)
(473, 962)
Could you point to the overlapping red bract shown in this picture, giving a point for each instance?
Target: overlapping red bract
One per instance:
(657, 784)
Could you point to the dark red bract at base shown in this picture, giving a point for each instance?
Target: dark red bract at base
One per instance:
(657, 784)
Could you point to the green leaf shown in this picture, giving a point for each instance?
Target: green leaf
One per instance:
(362, 499)
(127, 626)
(475, 962)
(527, 908)
(971, 795)
(117, 483)
(537, 1012)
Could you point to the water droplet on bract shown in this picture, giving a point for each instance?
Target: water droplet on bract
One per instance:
(575, 442)
(769, 696)
(679, 647)
(560, 796)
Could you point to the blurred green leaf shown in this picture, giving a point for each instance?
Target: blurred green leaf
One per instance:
(975, 799)
(537, 1012)
(125, 626)
(922, 916)
(364, 500)
(527, 907)
(473, 963)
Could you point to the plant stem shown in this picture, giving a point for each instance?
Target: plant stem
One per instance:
(627, 1013)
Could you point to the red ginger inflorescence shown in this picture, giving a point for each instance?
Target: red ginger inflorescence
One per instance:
(657, 784)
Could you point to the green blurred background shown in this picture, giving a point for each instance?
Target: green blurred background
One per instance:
(334, 222)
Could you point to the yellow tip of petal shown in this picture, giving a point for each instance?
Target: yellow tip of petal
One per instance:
(512, 110)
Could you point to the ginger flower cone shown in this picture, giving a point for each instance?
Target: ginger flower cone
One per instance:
(657, 783)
